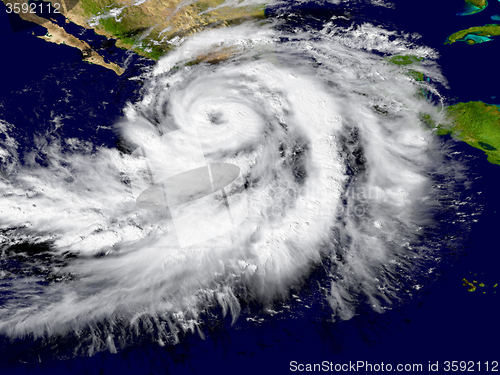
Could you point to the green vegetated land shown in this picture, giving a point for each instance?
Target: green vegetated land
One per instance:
(125, 30)
(478, 124)
(473, 6)
(479, 31)
(475, 123)
(406, 60)
(478, 3)
(149, 28)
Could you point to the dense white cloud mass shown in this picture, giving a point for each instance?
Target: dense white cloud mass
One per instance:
(335, 167)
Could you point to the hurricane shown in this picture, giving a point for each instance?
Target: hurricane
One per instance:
(334, 163)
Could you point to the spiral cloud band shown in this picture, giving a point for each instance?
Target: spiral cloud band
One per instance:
(335, 167)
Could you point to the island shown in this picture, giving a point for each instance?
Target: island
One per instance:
(477, 124)
(473, 35)
(474, 284)
(408, 60)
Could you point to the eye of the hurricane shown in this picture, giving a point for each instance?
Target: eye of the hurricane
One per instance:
(216, 118)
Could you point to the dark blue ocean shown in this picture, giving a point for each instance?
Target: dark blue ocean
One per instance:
(444, 322)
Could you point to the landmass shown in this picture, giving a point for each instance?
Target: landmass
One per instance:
(473, 35)
(477, 124)
(478, 3)
(150, 28)
(57, 34)
(473, 6)
(154, 27)
(406, 60)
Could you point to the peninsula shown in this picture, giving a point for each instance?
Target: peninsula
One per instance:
(150, 28)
